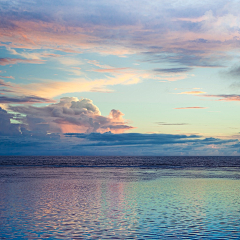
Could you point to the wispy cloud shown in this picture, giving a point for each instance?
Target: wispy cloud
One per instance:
(109, 139)
(24, 99)
(225, 97)
(33, 55)
(198, 39)
(191, 108)
(10, 77)
(70, 61)
(233, 72)
(4, 84)
(139, 139)
(171, 124)
(192, 92)
(110, 70)
(49, 89)
(26, 55)
(172, 70)
(97, 64)
(103, 68)
(6, 90)
(8, 61)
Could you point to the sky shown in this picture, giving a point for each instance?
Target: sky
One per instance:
(119, 77)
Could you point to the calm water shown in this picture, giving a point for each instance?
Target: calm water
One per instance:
(128, 198)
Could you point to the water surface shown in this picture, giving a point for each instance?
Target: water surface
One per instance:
(62, 200)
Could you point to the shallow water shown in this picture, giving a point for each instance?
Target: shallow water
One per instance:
(119, 203)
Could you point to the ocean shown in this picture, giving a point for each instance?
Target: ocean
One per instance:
(119, 197)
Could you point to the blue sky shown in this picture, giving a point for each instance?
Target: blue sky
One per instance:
(165, 73)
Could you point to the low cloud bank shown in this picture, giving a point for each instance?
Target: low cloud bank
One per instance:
(76, 127)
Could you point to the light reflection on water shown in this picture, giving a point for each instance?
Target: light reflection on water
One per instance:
(124, 203)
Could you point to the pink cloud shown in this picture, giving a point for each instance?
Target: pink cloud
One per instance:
(8, 61)
(3, 83)
(72, 115)
(10, 77)
(225, 97)
(192, 92)
(215, 31)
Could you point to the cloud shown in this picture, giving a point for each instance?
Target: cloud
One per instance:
(171, 124)
(34, 143)
(5, 90)
(225, 97)
(233, 72)
(49, 89)
(106, 68)
(109, 139)
(33, 55)
(33, 135)
(23, 99)
(71, 115)
(6, 127)
(185, 57)
(4, 84)
(11, 77)
(69, 61)
(101, 90)
(110, 70)
(140, 139)
(191, 108)
(192, 92)
(8, 61)
(97, 64)
(181, 35)
(172, 70)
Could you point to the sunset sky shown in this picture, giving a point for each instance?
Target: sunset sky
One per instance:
(119, 77)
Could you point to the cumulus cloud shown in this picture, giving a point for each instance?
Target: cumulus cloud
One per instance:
(71, 115)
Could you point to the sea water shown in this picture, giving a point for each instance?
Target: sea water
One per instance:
(119, 197)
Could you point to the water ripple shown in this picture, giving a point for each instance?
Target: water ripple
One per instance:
(119, 203)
